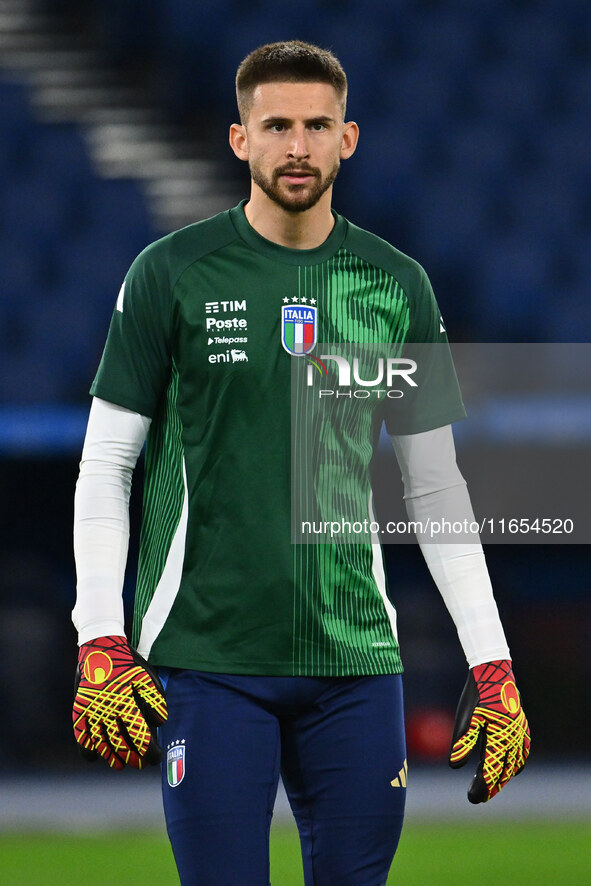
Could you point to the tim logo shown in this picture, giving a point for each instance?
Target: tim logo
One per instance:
(175, 764)
(222, 307)
(299, 329)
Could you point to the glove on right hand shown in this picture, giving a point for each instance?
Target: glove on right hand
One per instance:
(118, 704)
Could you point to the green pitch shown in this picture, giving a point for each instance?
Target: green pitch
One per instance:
(522, 854)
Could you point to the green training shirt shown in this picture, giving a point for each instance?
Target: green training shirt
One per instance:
(203, 340)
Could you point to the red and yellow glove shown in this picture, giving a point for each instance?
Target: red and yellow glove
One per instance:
(118, 703)
(490, 711)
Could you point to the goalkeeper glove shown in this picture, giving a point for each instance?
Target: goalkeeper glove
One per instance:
(490, 710)
(118, 703)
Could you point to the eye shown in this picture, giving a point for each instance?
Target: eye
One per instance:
(318, 127)
(276, 127)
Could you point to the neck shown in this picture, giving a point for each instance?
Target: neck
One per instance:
(297, 230)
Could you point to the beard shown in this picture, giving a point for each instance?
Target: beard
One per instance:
(290, 197)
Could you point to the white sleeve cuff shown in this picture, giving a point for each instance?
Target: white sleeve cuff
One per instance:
(114, 439)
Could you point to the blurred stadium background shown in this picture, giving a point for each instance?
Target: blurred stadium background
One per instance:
(474, 158)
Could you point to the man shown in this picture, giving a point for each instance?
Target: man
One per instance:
(275, 657)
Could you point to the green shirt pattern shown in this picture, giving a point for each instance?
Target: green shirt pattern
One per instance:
(195, 344)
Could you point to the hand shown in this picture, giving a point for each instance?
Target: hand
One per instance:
(490, 710)
(118, 703)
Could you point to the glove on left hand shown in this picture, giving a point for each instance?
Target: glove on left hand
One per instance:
(490, 710)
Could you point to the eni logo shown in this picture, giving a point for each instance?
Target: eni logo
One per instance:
(510, 697)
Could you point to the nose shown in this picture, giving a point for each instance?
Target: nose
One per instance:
(298, 146)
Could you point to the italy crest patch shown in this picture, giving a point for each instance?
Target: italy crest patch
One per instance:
(299, 329)
(175, 764)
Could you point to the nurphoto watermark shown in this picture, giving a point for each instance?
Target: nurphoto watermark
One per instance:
(521, 418)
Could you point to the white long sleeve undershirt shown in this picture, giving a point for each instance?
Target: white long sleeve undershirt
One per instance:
(114, 440)
(433, 487)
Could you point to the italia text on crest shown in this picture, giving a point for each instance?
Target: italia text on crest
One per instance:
(299, 328)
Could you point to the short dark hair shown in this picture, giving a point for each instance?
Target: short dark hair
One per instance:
(290, 61)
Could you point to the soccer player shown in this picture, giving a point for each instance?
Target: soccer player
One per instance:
(273, 657)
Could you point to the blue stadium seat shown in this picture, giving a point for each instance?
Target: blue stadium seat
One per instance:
(481, 148)
(538, 39)
(474, 156)
(514, 302)
(450, 218)
(18, 130)
(563, 145)
(118, 208)
(576, 83)
(443, 37)
(33, 206)
(66, 241)
(130, 30)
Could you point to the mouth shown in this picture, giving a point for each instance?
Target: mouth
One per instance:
(297, 176)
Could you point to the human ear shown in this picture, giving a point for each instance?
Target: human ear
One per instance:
(350, 139)
(239, 140)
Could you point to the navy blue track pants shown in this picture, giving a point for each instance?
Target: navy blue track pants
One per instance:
(339, 746)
